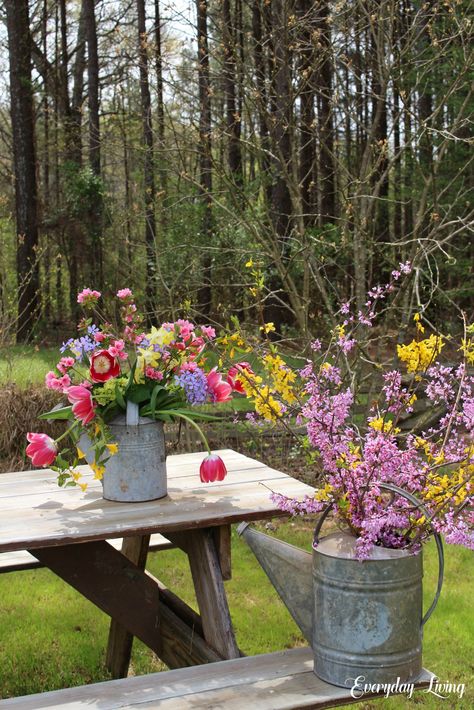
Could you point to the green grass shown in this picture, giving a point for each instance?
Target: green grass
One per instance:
(25, 365)
(51, 637)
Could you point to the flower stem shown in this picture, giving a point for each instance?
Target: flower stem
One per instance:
(68, 431)
(196, 426)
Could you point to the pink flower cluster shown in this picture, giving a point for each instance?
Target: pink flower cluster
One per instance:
(355, 458)
(87, 297)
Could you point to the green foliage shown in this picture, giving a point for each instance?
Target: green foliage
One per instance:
(83, 190)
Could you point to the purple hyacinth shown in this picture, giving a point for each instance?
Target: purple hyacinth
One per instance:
(194, 384)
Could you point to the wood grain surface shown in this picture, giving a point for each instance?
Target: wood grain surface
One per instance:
(276, 681)
(35, 513)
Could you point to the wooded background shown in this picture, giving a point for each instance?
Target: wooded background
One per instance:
(259, 158)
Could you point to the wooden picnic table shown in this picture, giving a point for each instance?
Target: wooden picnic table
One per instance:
(67, 531)
(75, 535)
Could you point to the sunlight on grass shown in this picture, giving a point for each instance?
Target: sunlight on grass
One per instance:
(51, 637)
(25, 365)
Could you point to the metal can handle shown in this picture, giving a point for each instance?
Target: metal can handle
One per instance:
(439, 544)
(132, 415)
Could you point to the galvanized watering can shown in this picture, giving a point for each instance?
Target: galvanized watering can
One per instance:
(137, 472)
(361, 618)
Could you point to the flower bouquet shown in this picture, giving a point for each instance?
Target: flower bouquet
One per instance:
(107, 372)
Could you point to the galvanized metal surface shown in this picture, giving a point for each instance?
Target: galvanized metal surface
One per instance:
(361, 618)
(289, 570)
(367, 615)
(138, 471)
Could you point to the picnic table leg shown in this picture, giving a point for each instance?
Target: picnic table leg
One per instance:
(132, 597)
(119, 646)
(209, 588)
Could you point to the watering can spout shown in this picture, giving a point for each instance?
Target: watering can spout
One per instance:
(289, 570)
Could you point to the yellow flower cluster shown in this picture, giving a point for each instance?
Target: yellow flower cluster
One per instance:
(147, 357)
(452, 487)
(266, 405)
(419, 327)
(282, 377)
(76, 476)
(419, 355)
(386, 426)
(428, 451)
(99, 471)
(467, 348)
(265, 393)
(324, 494)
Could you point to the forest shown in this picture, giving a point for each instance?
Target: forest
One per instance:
(263, 160)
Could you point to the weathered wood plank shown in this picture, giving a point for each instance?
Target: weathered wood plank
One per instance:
(18, 495)
(276, 681)
(210, 593)
(180, 608)
(120, 641)
(22, 560)
(178, 466)
(131, 596)
(112, 582)
(222, 538)
(58, 522)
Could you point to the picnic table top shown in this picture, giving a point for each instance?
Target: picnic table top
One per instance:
(36, 513)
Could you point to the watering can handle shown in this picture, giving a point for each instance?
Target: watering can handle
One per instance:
(399, 491)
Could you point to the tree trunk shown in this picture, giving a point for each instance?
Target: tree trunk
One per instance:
(327, 174)
(307, 131)
(96, 208)
(21, 92)
(205, 156)
(148, 170)
(262, 97)
(280, 132)
(234, 156)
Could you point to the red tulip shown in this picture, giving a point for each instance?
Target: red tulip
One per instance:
(232, 378)
(42, 449)
(82, 404)
(218, 390)
(103, 366)
(212, 469)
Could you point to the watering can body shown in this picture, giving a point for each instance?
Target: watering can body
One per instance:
(362, 619)
(367, 616)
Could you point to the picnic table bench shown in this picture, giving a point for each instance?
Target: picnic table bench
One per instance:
(273, 681)
(75, 535)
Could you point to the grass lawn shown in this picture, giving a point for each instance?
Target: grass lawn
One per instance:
(25, 365)
(51, 637)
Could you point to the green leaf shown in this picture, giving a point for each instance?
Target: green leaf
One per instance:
(131, 377)
(154, 395)
(119, 397)
(61, 413)
(138, 393)
(111, 411)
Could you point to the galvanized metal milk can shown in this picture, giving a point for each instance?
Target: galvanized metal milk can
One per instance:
(368, 616)
(137, 472)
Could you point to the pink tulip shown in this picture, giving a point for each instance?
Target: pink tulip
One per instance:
(219, 391)
(232, 375)
(42, 449)
(82, 405)
(212, 469)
